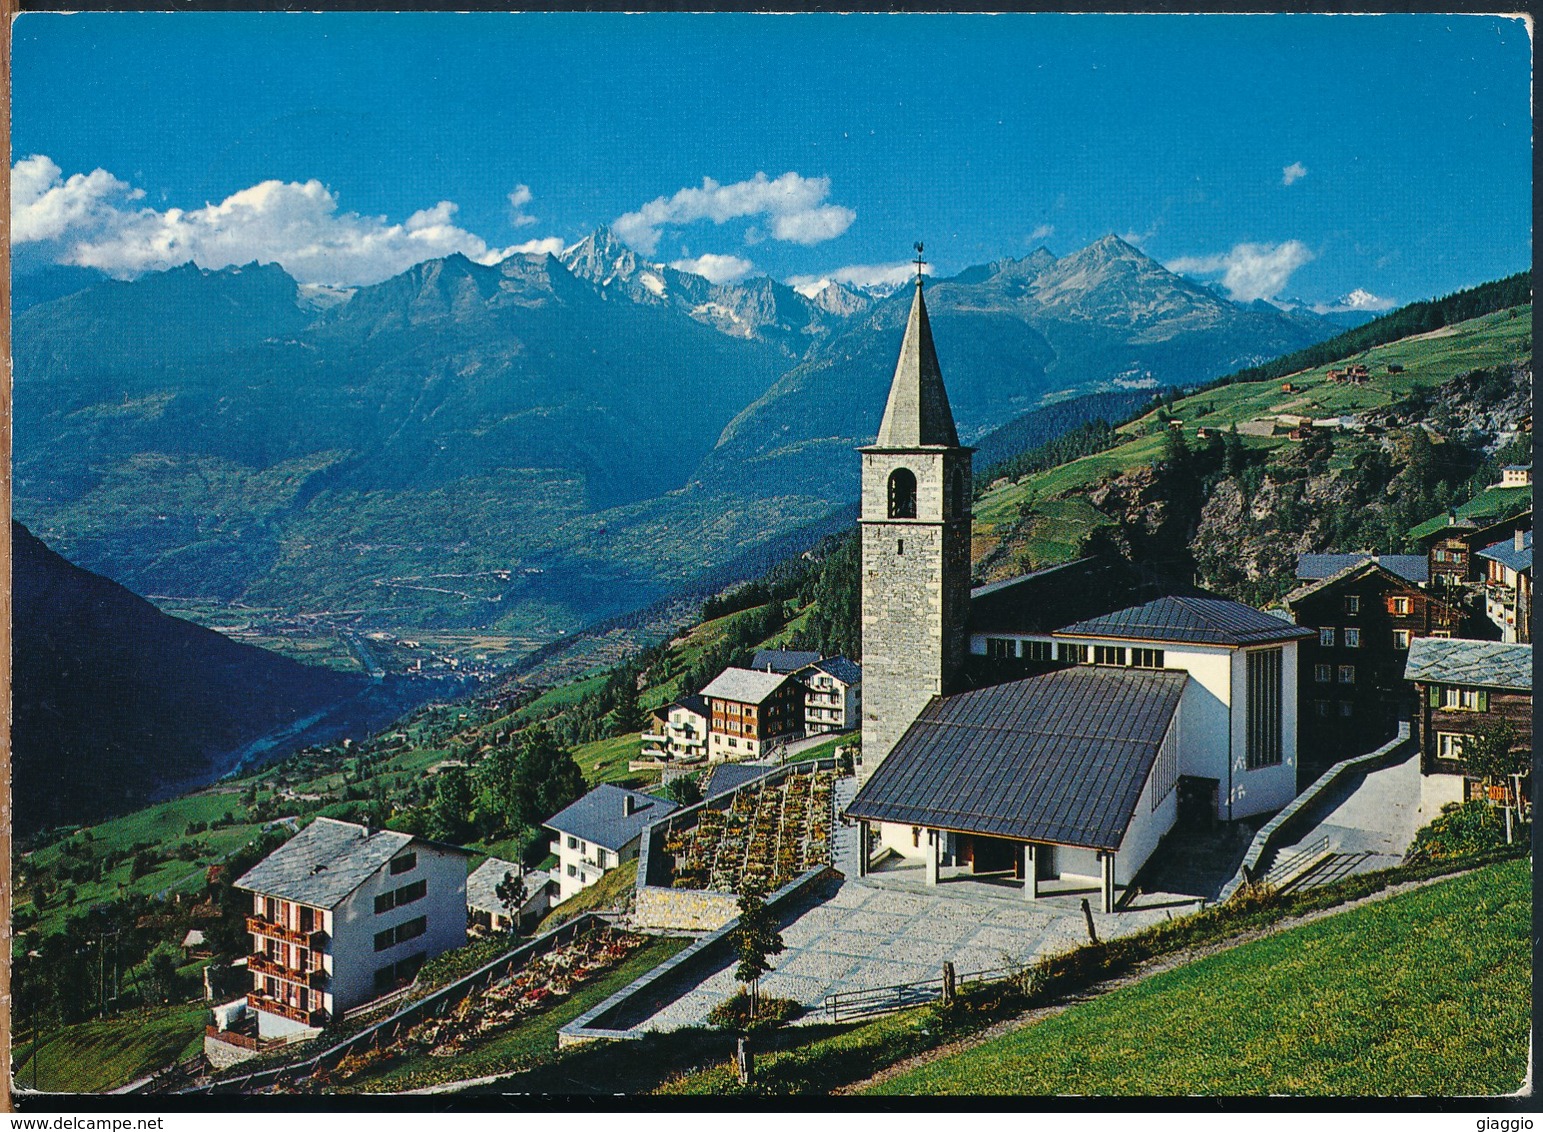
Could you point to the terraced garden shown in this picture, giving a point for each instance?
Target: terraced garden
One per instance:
(509, 1007)
(770, 835)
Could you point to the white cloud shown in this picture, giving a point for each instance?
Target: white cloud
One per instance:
(1358, 300)
(548, 245)
(715, 268)
(1043, 232)
(44, 205)
(518, 199)
(89, 221)
(794, 206)
(1249, 271)
(867, 276)
(1293, 173)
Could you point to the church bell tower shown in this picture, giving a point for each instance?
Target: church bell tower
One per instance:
(916, 546)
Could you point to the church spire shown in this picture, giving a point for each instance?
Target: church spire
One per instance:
(917, 412)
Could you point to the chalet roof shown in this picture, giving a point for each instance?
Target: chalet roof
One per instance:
(600, 817)
(1190, 620)
(1488, 507)
(744, 685)
(692, 703)
(782, 660)
(1483, 664)
(1505, 553)
(731, 776)
(1359, 566)
(482, 884)
(1410, 567)
(849, 672)
(323, 863)
(1058, 758)
(917, 411)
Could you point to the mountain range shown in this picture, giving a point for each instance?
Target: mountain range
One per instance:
(113, 699)
(540, 443)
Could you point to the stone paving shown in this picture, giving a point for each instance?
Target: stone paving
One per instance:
(878, 932)
(1370, 821)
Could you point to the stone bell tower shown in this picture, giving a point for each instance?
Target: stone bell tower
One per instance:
(916, 546)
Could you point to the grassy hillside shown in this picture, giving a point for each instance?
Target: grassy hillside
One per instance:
(1427, 993)
(92, 1057)
(1042, 519)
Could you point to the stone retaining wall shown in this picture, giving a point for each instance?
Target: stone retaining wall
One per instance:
(683, 909)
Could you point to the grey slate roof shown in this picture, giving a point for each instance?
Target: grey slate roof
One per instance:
(1505, 553)
(1357, 566)
(324, 862)
(1410, 567)
(744, 685)
(693, 703)
(600, 818)
(849, 672)
(1190, 620)
(1483, 664)
(729, 776)
(782, 660)
(917, 411)
(482, 884)
(1057, 758)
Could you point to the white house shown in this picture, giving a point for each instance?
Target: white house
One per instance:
(342, 914)
(834, 701)
(600, 831)
(684, 730)
(487, 910)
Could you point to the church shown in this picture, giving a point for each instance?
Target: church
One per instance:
(1097, 734)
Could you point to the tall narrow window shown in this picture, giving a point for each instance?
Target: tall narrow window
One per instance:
(1264, 708)
(956, 489)
(902, 494)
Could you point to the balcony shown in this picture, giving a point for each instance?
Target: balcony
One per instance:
(315, 1018)
(258, 926)
(316, 978)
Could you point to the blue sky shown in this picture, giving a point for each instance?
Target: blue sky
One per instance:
(1300, 156)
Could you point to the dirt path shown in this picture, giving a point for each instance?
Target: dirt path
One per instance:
(1154, 966)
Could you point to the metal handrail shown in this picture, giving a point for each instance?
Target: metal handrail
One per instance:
(898, 996)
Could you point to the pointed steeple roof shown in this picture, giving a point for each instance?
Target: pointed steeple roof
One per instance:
(917, 412)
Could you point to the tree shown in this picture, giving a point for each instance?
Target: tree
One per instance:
(1493, 757)
(497, 803)
(756, 938)
(449, 811)
(511, 894)
(546, 778)
(683, 791)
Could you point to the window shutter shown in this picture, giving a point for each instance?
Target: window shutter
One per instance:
(1483, 700)
(1435, 695)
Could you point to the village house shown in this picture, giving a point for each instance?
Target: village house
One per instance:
(1364, 615)
(680, 730)
(487, 910)
(1460, 688)
(1181, 703)
(749, 709)
(1508, 586)
(1451, 541)
(785, 661)
(342, 914)
(600, 831)
(834, 701)
(1516, 475)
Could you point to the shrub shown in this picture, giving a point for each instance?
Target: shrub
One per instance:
(733, 1013)
(1468, 827)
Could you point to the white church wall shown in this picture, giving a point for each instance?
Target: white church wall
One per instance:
(1263, 789)
(1147, 825)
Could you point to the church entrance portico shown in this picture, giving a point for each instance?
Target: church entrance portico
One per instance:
(1038, 870)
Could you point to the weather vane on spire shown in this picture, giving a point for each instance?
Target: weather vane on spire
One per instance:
(920, 263)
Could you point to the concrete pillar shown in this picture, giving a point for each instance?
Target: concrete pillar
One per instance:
(932, 856)
(1030, 875)
(1107, 860)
